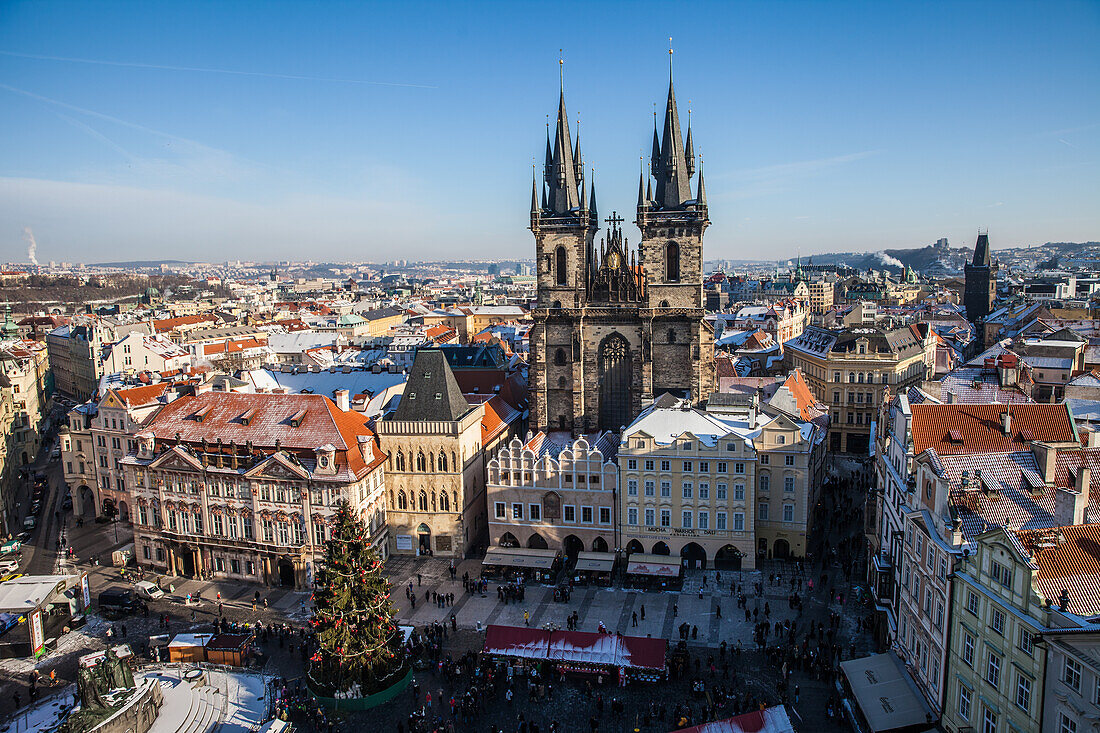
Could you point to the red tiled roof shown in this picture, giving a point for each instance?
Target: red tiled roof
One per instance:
(980, 427)
(498, 415)
(724, 365)
(230, 347)
(802, 395)
(1072, 565)
(138, 396)
(323, 422)
(167, 324)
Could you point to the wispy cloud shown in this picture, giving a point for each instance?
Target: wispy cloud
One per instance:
(1067, 143)
(780, 177)
(210, 70)
(995, 205)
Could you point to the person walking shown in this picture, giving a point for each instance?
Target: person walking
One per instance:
(634, 619)
(643, 612)
(526, 618)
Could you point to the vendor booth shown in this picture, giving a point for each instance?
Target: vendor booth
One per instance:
(653, 572)
(517, 564)
(594, 568)
(188, 647)
(35, 610)
(630, 657)
(232, 649)
(879, 696)
(768, 720)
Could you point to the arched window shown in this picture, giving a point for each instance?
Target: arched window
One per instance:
(454, 494)
(562, 381)
(861, 377)
(419, 461)
(556, 305)
(672, 335)
(433, 501)
(442, 461)
(431, 462)
(559, 265)
(663, 304)
(444, 502)
(454, 462)
(559, 357)
(423, 501)
(400, 461)
(672, 262)
(402, 502)
(851, 378)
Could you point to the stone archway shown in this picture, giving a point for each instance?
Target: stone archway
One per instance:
(634, 546)
(536, 542)
(572, 545)
(694, 556)
(661, 548)
(728, 558)
(781, 549)
(599, 545)
(424, 535)
(286, 572)
(508, 540)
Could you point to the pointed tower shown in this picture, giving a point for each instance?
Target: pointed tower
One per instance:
(981, 281)
(672, 224)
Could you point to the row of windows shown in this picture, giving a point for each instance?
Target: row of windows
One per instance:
(422, 463)
(687, 488)
(423, 500)
(569, 512)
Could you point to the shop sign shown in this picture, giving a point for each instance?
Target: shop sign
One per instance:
(86, 590)
(38, 637)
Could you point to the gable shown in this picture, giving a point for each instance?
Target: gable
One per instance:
(177, 459)
(279, 468)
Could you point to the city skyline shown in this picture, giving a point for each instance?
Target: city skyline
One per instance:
(351, 134)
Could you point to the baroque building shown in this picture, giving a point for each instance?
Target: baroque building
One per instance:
(616, 327)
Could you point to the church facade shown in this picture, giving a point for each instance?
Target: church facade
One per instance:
(614, 326)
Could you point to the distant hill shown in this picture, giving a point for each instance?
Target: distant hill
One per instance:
(142, 263)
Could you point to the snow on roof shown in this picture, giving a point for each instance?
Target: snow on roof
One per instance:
(664, 425)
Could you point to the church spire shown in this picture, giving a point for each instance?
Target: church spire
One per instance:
(655, 154)
(689, 149)
(592, 199)
(641, 182)
(561, 172)
(673, 177)
(534, 194)
(701, 196)
(981, 250)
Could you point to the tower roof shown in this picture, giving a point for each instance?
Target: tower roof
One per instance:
(981, 251)
(672, 174)
(561, 171)
(432, 393)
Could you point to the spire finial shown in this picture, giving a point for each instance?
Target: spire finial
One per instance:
(670, 59)
(561, 69)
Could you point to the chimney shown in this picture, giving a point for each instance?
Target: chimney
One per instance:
(203, 388)
(1081, 500)
(1006, 422)
(1047, 458)
(1094, 439)
(343, 400)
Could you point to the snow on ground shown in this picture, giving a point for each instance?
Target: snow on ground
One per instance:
(43, 716)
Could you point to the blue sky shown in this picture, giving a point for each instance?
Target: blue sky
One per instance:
(371, 131)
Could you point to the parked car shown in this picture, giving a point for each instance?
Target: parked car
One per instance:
(148, 590)
(35, 506)
(119, 600)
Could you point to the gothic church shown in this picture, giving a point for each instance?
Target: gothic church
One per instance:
(616, 327)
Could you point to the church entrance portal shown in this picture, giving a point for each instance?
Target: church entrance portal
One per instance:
(616, 405)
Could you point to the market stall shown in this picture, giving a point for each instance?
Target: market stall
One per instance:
(517, 564)
(653, 572)
(879, 696)
(631, 657)
(595, 568)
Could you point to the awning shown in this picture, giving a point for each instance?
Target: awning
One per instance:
(517, 557)
(578, 647)
(768, 720)
(602, 562)
(886, 694)
(662, 566)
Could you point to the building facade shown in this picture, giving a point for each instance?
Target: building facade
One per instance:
(545, 494)
(245, 487)
(615, 328)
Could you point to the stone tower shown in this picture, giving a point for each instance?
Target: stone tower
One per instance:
(614, 328)
(981, 282)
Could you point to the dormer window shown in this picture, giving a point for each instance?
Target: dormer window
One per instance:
(247, 415)
(297, 418)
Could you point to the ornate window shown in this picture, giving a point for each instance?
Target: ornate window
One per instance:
(402, 502)
(442, 461)
(423, 501)
(444, 502)
(400, 461)
(420, 462)
(672, 262)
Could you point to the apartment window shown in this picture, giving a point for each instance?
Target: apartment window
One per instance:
(1027, 645)
(943, 568)
(739, 521)
(1071, 674)
(722, 466)
(649, 488)
(731, 447)
(649, 464)
(836, 376)
(788, 484)
(939, 614)
(632, 516)
(738, 492)
(763, 511)
(632, 487)
(993, 670)
(517, 511)
(765, 482)
(964, 703)
(666, 518)
(788, 512)
(997, 621)
(687, 466)
(989, 723)
(246, 532)
(765, 459)
(720, 520)
(235, 567)
(586, 515)
(534, 512)
(666, 465)
(1066, 724)
(219, 564)
(1000, 573)
(632, 464)
(605, 515)
(920, 547)
(687, 490)
(968, 650)
(569, 512)
(650, 517)
(720, 492)
(216, 524)
(501, 511)
(704, 466)
(1023, 692)
(687, 445)
(145, 552)
(685, 519)
(704, 490)
(788, 460)
(739, 467)
(972, 602)
(666, 489)
(836, 397)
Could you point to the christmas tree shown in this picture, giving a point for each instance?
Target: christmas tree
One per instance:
(359, 643)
